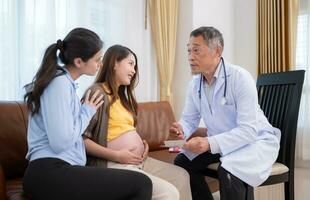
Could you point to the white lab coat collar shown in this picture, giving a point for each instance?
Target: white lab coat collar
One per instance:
(218, 69)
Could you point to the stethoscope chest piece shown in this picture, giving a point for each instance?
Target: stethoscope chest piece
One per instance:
(223, 101)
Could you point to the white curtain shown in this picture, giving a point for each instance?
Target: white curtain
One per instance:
(27, 27)
(303, 62)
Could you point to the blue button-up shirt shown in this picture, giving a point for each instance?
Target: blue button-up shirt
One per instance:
(56, 130)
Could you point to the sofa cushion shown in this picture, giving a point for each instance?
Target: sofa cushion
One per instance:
(15, 190)
(2, 185)
(153, 122)
(13, 141)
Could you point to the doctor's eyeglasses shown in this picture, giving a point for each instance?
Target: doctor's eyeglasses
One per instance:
(195, 50)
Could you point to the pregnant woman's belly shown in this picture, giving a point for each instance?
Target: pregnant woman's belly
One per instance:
(130, 140)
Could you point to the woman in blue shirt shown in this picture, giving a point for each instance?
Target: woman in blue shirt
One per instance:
(57, 121)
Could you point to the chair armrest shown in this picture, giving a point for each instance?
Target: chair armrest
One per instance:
(2, 185)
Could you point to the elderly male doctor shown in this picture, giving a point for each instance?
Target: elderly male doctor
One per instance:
(225, 97)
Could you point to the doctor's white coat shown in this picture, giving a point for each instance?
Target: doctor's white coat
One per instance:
(248, 144)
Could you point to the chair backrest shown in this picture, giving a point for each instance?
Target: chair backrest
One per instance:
(279, 97)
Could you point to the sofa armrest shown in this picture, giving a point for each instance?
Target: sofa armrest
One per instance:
(200, 131)
(2, 185)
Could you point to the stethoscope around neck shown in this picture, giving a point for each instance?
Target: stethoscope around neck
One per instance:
(223, 100)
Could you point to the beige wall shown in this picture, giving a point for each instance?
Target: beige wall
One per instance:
(235, 19)
(245, 35)
(219, 14)
(182, 73)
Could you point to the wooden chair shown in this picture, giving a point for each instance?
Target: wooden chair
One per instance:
(279, 97)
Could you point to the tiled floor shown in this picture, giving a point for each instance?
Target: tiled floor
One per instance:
(276, 192)
(302, 183)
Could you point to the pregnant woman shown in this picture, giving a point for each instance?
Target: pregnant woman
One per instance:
(111, 139)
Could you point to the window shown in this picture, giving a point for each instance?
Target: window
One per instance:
(27, 27)
(303, 62)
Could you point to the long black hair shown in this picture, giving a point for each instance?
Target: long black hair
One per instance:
(79, 43)
(106, 75)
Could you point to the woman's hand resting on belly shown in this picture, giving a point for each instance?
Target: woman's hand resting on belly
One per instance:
(130, 149)
(125, 156)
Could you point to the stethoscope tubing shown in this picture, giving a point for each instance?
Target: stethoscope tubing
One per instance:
(225, 81)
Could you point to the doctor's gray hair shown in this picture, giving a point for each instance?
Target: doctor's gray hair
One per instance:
(212, 37)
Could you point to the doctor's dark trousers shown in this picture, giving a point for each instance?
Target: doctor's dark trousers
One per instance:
(231, 187)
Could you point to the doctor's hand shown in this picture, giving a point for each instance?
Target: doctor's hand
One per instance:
(177, 129)
(197, 145)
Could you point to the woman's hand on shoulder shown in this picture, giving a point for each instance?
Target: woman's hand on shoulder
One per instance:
(94, 101)
(125, 156)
